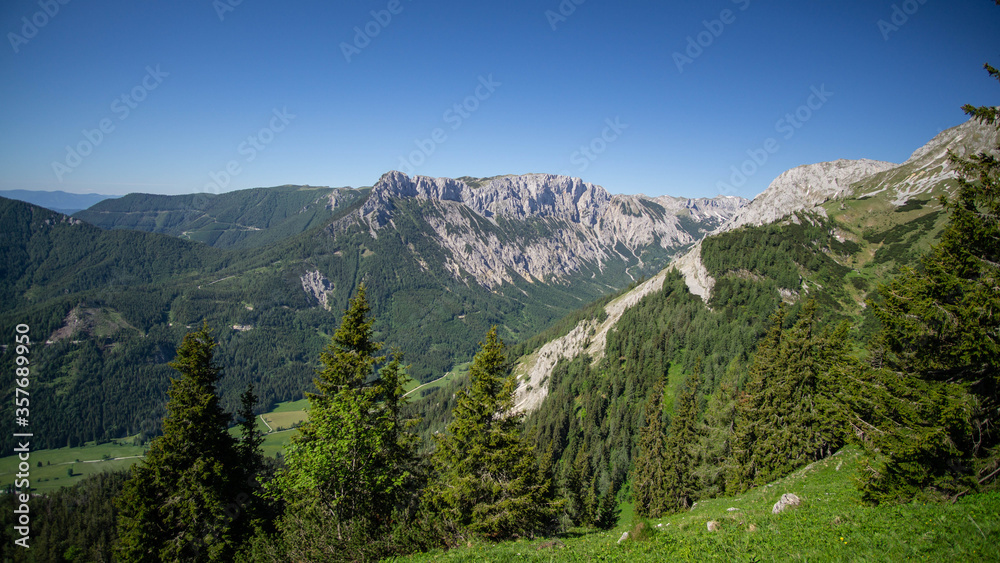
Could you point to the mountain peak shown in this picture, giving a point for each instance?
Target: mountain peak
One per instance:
(543, 225)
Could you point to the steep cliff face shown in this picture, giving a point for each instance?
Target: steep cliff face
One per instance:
(539, 226)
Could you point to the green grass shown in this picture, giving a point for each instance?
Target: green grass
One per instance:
(459, 370)
(830, 525)
(84, 460)
(290, 406)
(275, 442)
(90, 459)
(285, 415)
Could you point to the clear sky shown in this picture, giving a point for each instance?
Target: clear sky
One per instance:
(653, 97)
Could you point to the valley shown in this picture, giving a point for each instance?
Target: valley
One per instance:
(602, 299)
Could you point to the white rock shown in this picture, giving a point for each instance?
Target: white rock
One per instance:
(787, 500)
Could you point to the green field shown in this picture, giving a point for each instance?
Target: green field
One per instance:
(460, 370)
(89, 459)
(55, 464)
(830, 525)
(285, 416)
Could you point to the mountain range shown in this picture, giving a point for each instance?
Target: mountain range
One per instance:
(111, 290)
(864, 219)
(58, 201)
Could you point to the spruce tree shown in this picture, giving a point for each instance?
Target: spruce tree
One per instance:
(487, 480)
(715, 434)
(790, 413)
(750, 423)
(649, 473)
(179, 502)
(928, 412)
(349, 466)
(680, 485)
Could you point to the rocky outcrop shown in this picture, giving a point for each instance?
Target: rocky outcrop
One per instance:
(696, 276)
(787, 500)
(317, 286)
(588, 337)
(540, 226)
(805, 187)
(808, 187)
(929, 168)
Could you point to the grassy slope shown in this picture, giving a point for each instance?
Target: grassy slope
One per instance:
(86, 460)
(95, 458)
(830, 525)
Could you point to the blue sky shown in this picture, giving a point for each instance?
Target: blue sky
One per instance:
(639, 97)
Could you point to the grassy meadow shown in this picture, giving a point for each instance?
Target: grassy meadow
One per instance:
(831, 524)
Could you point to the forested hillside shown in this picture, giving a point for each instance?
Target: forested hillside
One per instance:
(108, 307)
(788, 359)
(238, 219)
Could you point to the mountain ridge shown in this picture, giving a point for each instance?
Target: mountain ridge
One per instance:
(821, 189)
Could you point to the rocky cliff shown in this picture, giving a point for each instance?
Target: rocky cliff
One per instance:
(927, 172)
(539, 226)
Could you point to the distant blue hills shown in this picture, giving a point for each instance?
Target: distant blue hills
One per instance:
(60, 202)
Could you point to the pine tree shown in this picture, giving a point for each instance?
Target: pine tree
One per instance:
(250, 460)
(349, 466)
(939, 353)
(179, 501)
(487, 481)
(580, 489)
(750, 422)
(248, 447)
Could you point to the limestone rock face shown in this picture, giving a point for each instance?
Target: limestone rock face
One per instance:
(317, 286)
(927, 172)
(542, 227)
(805, 187)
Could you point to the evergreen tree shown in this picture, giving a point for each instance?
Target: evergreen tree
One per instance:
(928, 413)
(487, 480)
(649, 474)
(750, 426)
(580, 489)
(680, 485)
(178, 503)
(790, 413)
(253, 468)
(349, 466)
(715, 433)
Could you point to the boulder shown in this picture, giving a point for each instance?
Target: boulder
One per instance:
(787, 500)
